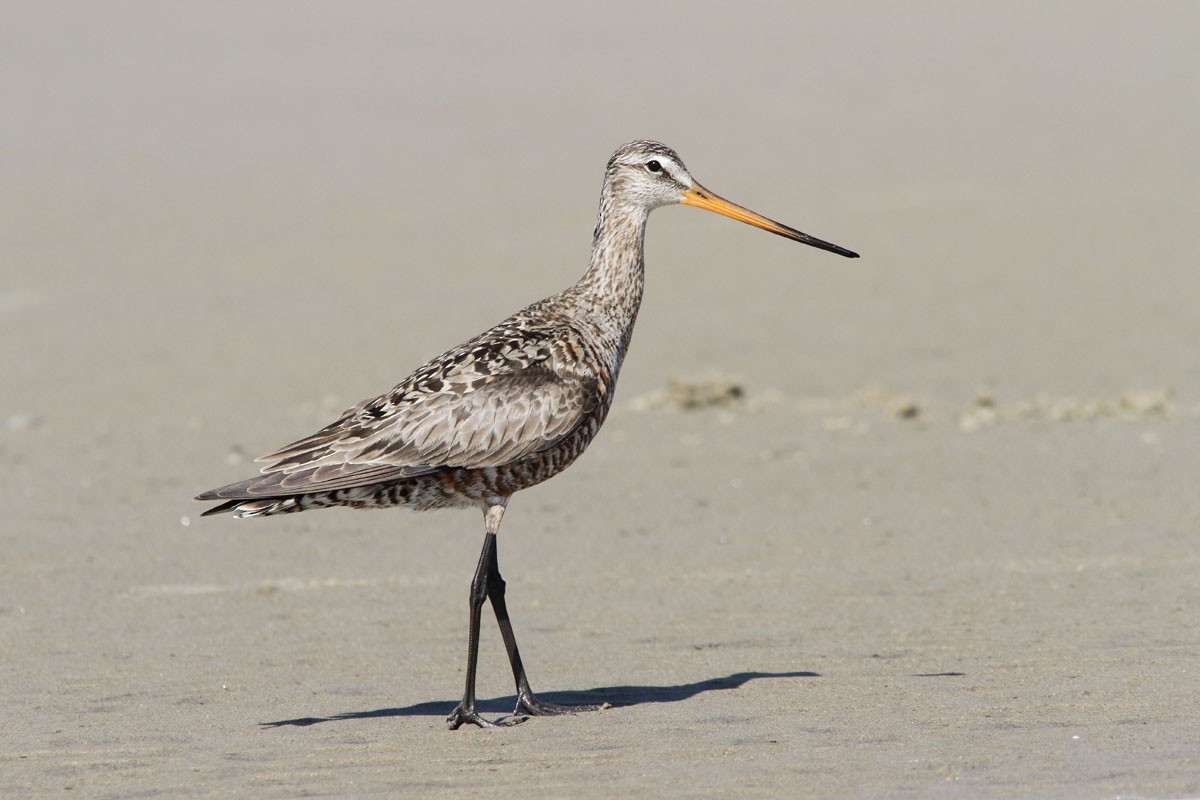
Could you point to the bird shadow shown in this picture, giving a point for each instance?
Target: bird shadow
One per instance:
(615, 696)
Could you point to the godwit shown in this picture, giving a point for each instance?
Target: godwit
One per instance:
(507, 410)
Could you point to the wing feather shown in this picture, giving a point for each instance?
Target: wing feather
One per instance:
(501, 397)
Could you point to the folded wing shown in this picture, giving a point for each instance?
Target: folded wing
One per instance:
(498, 399)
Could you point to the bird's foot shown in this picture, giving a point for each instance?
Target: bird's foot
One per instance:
(530, 706)
(469, 716)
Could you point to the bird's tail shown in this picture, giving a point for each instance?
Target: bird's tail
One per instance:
(265, 507)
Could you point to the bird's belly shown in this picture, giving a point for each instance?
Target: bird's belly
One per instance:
(459, 487)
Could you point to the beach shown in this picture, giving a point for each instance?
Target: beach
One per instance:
(922, 524)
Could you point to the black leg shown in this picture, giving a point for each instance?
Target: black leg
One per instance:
(465, 711)
(527, 704)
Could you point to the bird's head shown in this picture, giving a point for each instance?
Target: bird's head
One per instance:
(648, 174)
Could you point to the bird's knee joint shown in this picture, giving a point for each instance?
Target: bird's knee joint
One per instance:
(478, 594)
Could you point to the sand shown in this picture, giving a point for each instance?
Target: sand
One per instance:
(938, 540)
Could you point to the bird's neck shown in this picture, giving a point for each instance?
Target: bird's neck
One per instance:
(612, 286)
(606, 299)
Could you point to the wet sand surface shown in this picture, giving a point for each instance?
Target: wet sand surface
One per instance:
(920, 525)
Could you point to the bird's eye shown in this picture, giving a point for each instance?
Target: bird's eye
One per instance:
(654, 166)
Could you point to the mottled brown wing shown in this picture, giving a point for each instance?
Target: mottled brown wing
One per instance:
(484, 406)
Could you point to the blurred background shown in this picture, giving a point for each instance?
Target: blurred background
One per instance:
(221, 188)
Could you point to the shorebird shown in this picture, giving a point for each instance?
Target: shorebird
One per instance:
(511, 408)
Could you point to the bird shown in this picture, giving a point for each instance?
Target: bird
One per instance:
(508, 409)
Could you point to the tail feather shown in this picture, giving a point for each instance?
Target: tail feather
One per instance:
(221, 509)
(236, 499)
(241, 499)
(264, 507)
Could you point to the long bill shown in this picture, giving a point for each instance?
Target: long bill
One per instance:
(700, 197)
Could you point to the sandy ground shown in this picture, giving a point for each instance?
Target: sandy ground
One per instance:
(944, 545)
